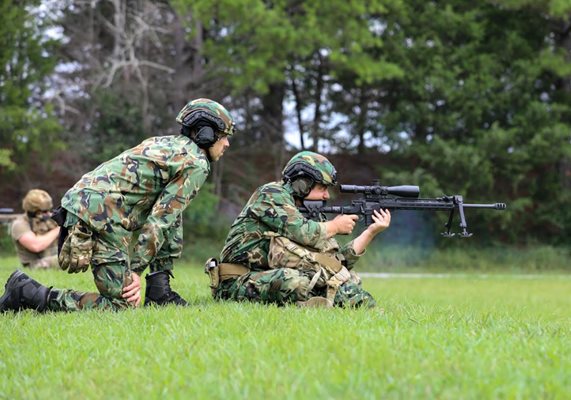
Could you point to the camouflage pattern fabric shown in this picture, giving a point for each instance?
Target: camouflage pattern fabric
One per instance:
(288, 286)
(144, 189)
(109, 278)
(272, 210)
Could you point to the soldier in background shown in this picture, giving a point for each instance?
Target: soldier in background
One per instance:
(273, 254)
(145, 189)
(35, 233)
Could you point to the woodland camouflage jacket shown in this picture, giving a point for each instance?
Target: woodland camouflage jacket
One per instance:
(146, 187)
(272, 208)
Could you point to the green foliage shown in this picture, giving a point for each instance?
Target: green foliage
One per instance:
(256, 46)
(202, 218)
(118, 126)
(458, 97)
(26, 124)
(6, 242)
(467, 259)
(458, 337)
(478, 113)
(471, 97)
(202, 211)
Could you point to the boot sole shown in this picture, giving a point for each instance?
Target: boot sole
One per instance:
(13, 277)
(152, 303)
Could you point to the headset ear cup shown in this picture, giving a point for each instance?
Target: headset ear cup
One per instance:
(302, 186)
(205, 137)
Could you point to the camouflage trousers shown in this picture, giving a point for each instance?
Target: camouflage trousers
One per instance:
(109, 264)
(109, 278)
(287, 285)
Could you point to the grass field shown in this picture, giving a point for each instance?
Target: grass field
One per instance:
(463, 337)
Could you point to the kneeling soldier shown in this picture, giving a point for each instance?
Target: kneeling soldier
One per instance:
(273, 254)
(144, 189)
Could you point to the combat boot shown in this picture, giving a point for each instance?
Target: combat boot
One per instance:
(22, 292)
(159, 292)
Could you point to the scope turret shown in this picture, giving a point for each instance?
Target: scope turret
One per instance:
(377, 190)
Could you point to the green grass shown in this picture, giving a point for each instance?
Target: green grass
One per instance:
(461, 257)
(460, 337)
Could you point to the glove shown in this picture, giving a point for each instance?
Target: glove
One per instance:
(77, 249)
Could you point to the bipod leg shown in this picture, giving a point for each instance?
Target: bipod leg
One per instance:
(448, 225)
(463, 225)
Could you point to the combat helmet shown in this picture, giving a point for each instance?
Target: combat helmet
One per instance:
(308, 168)
(207, 119)
(37, 200)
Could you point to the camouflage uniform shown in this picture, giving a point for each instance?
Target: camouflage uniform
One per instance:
(272, 212)
(144, 189)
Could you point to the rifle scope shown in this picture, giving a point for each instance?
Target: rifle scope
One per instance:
(377, 190)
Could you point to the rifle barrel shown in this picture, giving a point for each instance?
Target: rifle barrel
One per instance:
(495, 206)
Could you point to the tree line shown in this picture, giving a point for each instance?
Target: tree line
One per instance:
(454, 96)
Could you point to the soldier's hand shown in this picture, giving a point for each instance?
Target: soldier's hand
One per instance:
(344, 223)
(382, 220)
(132, 292)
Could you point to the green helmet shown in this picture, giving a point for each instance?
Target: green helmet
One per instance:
(205, 111)
(37, 200)
(307, 164)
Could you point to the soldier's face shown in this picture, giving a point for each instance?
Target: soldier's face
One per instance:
(218, 148)
(43, 215)
(319, 192)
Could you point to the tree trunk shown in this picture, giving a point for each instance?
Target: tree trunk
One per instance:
(272, 123)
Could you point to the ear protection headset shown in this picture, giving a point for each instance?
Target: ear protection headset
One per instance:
(205, 125)
(302, 178)
(302, 186)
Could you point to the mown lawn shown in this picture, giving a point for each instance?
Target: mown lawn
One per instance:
(447, 338)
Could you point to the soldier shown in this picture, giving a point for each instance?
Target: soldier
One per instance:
(35, 233)
(144, 189)
(274, 255)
